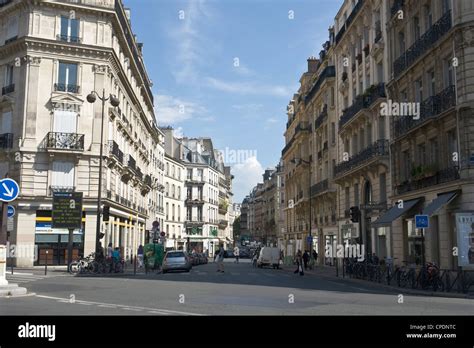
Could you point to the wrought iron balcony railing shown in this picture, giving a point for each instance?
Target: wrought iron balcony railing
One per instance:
(349, 20)
(423, 44)
(147, 180)
(64, 141)
(6, 141)
(429, 108)
(329, 71)
(61, 87)
(379, 148)
(319, 187)
(439, 177)
(114, 150)
(131, 163)
(8, 89)
(5, 2)
(69, 38)
(397, 6)
(322, 117)
(362, 102)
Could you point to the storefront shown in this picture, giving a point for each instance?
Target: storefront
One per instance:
(52, 243)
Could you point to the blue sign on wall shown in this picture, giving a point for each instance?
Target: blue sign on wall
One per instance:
(9, 190)
(11, 211)
(421, 221)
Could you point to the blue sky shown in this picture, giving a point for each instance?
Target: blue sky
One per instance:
(228, 69)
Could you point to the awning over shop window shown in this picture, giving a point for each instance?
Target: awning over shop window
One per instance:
(439, 202)
(395, 212)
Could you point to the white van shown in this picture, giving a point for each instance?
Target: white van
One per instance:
(269, 257)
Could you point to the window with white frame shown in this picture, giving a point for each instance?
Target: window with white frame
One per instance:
(69, 29)
(62, 174)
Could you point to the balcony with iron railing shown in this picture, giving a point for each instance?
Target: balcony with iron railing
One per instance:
(428, 179)
(421, 46)
(319, 188)
(329, 71)
(115, 151)
(6, 141)
(302, 127)
(378, 32)
(378, 149)
(397, 6)
(430, 108)
(68, 38)
(61, 87)
(322, 117)
(349, 20)
(8, 89)
(364, 101)
(63, 141)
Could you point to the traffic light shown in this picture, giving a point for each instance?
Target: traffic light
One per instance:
(355, 214)
(106, 213)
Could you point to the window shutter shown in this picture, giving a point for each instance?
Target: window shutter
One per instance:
(65, 121)
(6, 125)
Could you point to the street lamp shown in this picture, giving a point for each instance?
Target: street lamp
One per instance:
(298, 161)
(114, 101)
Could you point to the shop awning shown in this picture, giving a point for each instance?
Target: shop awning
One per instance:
(439, 202)
(395, 212)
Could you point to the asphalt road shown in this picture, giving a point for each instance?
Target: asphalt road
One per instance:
(241, 290)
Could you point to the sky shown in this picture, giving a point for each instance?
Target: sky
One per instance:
(226, 69)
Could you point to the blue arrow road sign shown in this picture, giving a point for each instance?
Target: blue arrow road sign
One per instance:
(9, 190)
(421, 221)
(11, 211)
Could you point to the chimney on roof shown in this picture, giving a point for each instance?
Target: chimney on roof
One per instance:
(313, 64)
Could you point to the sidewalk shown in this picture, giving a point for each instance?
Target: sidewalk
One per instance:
(330, 272)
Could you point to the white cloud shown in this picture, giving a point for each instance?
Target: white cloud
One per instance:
(178, 132)
(272, 120)
(171, 110)
(248, 88)
(192, 46)
(246, 176)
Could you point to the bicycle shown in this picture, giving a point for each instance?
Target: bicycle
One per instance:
(405, 277)
(430, 277)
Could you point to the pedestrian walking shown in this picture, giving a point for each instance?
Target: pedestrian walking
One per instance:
(109, 259)
(306, 259)
(140, 256)
(220, 259)
(299, 263)
(236, 253)
(315, 256)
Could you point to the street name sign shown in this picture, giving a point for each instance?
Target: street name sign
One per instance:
(67, 210)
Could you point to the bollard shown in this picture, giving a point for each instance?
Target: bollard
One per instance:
(337, 267)
(46, 264)
(135, 266)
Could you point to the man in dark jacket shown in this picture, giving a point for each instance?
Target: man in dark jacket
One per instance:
(305, 259)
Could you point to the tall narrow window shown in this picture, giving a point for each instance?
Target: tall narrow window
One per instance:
(356, 194)
(401, 43)
(383, 187)
(12, 29)
(431, 82)
(419, 90)
(69, 29)
(416, 28)
(67, 78)
(448, 73)
(8, 75)
(62, 175)
(428, 17)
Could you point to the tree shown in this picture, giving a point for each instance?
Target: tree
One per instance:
(236, 228)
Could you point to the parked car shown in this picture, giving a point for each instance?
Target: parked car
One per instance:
(195, 259)
(176, 260)
(229, 254)
(244, 254)
(202, 259)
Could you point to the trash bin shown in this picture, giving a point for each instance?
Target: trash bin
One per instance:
(153, 255)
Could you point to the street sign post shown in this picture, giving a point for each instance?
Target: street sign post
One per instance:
(67, 213)
(9, 190)
(11, 211)
(421, 221)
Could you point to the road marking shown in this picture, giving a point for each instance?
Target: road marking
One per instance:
(159, 310)
(84, 303)
(108, 306)
(15, 273)
(131, 309)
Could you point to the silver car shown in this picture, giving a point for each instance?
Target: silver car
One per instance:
(176, 260)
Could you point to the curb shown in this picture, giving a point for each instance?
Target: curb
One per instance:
(404, 290)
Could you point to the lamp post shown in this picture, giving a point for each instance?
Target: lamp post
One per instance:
(297, 161)
(91, 98)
